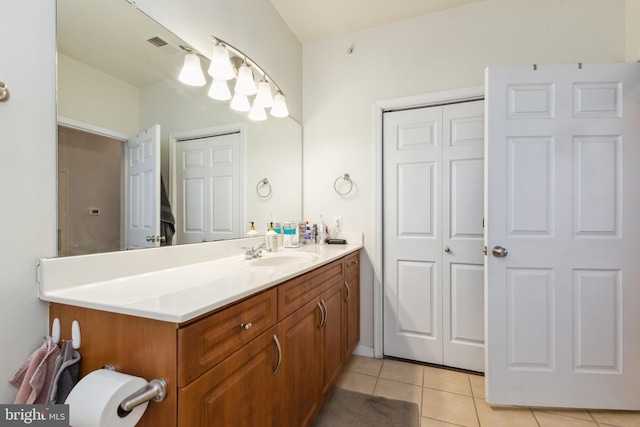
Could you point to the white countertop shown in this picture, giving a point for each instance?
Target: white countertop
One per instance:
(183, 292)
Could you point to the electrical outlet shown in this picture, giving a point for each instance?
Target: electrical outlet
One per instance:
(337, 223)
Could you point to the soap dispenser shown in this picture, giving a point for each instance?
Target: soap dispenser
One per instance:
(272, 239)
(252, 231)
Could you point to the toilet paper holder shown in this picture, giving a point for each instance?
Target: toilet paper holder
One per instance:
(155, 390)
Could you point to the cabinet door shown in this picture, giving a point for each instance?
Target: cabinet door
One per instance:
(239, 391)
(331, 332)
(300, 373)
(351, 305)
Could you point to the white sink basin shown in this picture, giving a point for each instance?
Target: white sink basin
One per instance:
(285, 259)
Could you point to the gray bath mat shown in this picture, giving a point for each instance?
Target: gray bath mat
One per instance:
(344, 408)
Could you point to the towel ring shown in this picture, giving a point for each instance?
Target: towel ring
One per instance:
(346, 178)
(263, 183)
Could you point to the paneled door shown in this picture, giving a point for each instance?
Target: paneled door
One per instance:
(433, 234)
(142, 190)
(209, 188)
(563, 228)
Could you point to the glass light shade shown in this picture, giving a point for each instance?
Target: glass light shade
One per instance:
(191, 73)
(279, 108)
(219, 90)
(240, 102)
(220, 67)
(264, 97)
(257, 112)
(245, 85)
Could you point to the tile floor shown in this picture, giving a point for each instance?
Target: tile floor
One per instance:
(448, 398)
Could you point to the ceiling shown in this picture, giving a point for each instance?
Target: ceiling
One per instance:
(315, 20)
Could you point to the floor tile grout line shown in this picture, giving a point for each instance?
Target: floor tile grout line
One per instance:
(473, 399)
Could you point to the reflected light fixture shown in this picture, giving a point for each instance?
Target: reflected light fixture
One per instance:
(257, 112)
(191, 73)
(264, 96)
(240, 102)
(219, 90)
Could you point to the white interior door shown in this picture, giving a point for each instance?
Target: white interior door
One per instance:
(433, 234)
(142, 190)
(562, 305)
(209, 188)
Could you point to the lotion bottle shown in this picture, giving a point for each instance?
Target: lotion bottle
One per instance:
(252, 231)
(272, 239)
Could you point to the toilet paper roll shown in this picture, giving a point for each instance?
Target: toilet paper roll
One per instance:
(94, 401)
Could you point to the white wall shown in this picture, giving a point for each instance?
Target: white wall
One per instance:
(443, 51)
(27, 177)
(79, 86)
(633, 30)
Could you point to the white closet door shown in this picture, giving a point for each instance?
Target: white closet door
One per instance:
(433, 235)
(463, 239)
(209, 188)
(412, 188)
(562, 199)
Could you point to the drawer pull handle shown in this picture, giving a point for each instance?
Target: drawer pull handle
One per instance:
(275, 339)
(348, 296)
(353, 262)
(246, 326)
(321, 315)
(324, 322)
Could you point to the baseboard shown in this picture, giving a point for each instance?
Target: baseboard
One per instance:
(362, 350)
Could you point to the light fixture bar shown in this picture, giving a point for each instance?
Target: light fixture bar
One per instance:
(247, 59)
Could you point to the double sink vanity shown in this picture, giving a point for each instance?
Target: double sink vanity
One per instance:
(247, 342)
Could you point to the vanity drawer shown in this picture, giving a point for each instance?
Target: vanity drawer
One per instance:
(297, 292)
(352, 263)
(205, 343)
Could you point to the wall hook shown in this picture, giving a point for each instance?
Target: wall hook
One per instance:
(4, 92)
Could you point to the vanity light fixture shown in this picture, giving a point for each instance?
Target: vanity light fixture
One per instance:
(279, 108)
(246, 83)
(191, 73)
(221, 67)
(228, 63)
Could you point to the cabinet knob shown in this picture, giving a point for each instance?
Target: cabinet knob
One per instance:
(246, 326)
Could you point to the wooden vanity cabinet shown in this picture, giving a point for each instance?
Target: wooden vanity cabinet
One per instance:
(351, 332)
(267, 360)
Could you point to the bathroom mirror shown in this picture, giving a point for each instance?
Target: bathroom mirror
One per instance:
(118, 76)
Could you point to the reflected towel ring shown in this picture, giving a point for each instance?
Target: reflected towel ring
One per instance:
(262, 183)
(346, 178)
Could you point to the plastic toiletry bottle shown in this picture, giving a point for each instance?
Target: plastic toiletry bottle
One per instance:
(307, 233)
(272, 239)
(252, 231)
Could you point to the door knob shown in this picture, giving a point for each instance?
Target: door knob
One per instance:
(499, 251)
(447, 249)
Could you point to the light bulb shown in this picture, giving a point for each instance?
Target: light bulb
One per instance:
(240, 102)
(191, 73)
(220, 67)
(245, 85)
(219, 90)
(264, 96)
(279, 108)
(257, 112)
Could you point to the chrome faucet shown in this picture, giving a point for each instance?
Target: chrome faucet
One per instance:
(252, 252)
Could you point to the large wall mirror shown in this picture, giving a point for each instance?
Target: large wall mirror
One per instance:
(117, 80)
